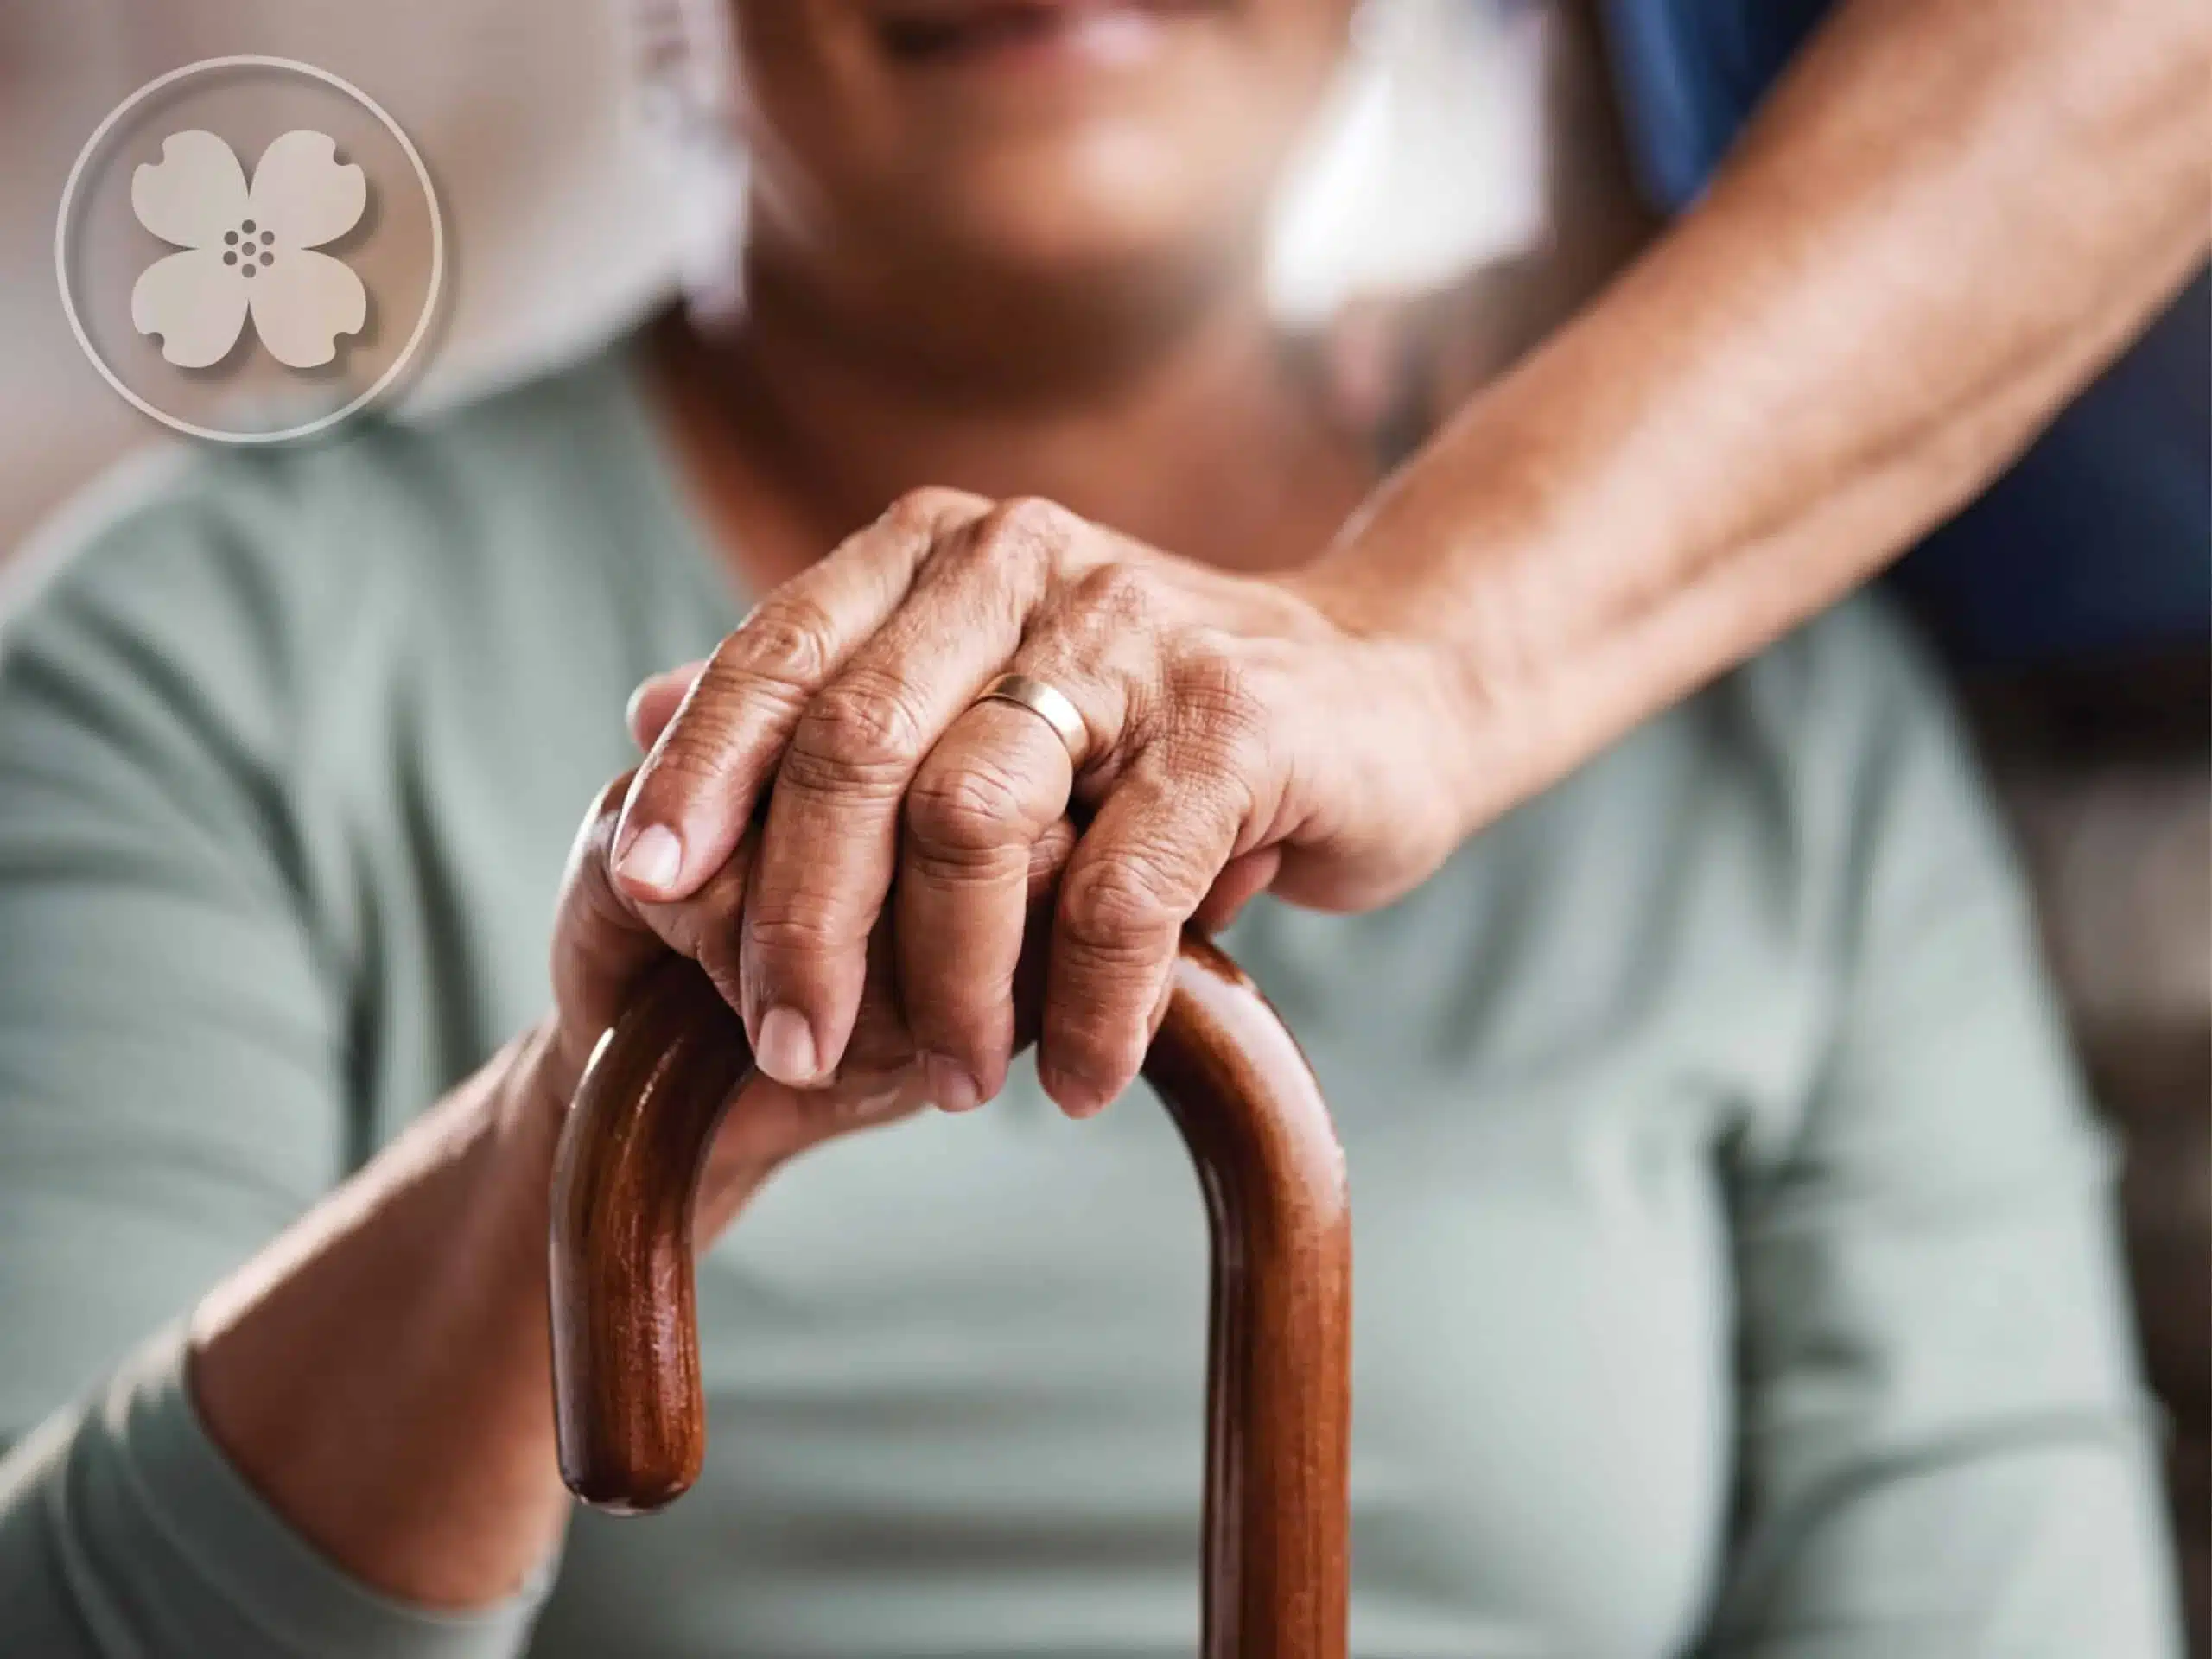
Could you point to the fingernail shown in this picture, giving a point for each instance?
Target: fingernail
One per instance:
(653, 859)
(1076, 1096)
(785, 1048)
(949, 1085)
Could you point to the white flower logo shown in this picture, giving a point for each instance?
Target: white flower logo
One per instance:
(249, 250)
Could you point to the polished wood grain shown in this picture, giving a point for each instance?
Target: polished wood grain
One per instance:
(627, 1405)
(626, 1356)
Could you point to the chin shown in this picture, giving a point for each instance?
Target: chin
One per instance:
(944, 162)
(1109, 203)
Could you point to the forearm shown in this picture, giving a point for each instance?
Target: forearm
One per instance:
(379, 1373)
(1948, 217)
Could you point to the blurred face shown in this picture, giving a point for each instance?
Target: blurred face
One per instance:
(1057, 141)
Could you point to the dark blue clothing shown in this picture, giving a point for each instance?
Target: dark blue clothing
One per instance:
(2097, 540)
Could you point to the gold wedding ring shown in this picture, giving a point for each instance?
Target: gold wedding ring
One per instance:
(1048, 704)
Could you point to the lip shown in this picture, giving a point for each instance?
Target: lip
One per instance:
(973, 34)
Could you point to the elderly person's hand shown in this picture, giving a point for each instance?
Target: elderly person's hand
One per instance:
(604, 941)
(1237, 733)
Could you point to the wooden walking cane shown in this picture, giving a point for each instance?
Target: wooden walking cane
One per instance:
(626, 1341)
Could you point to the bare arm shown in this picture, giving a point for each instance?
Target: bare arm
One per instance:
(379, 1373)
(1950, 214)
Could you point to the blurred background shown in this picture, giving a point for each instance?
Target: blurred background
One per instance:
(572, 146)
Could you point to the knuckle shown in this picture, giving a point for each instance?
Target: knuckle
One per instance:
(805, 769)
(1033, 516)
(1118, 907)
(789, 640)
(1119, 597)
(798, 926)
(1026, 533)
(923, 510)
(690, 763)
(865, 722)
(965, 812)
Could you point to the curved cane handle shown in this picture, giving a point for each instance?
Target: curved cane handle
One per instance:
(626, 1345)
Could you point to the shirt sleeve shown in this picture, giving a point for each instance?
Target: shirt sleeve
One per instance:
(172, 1092)
(1944, 1446)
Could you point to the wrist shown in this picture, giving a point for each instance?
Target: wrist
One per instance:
(1434, 614)
(378, 1373)
(538, 1074)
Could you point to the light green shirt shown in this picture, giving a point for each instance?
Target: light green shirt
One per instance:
(1735, 1268)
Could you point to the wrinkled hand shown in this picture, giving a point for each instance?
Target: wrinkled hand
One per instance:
(1239, 734)
(604, 941)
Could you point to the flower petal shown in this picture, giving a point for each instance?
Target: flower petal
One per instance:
(302, 302)
(300, 193)
(193, 194)
(196, 304)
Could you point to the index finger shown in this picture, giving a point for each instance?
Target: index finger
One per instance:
(695, 792)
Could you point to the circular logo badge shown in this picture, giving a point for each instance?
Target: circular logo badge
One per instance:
(249, 250)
